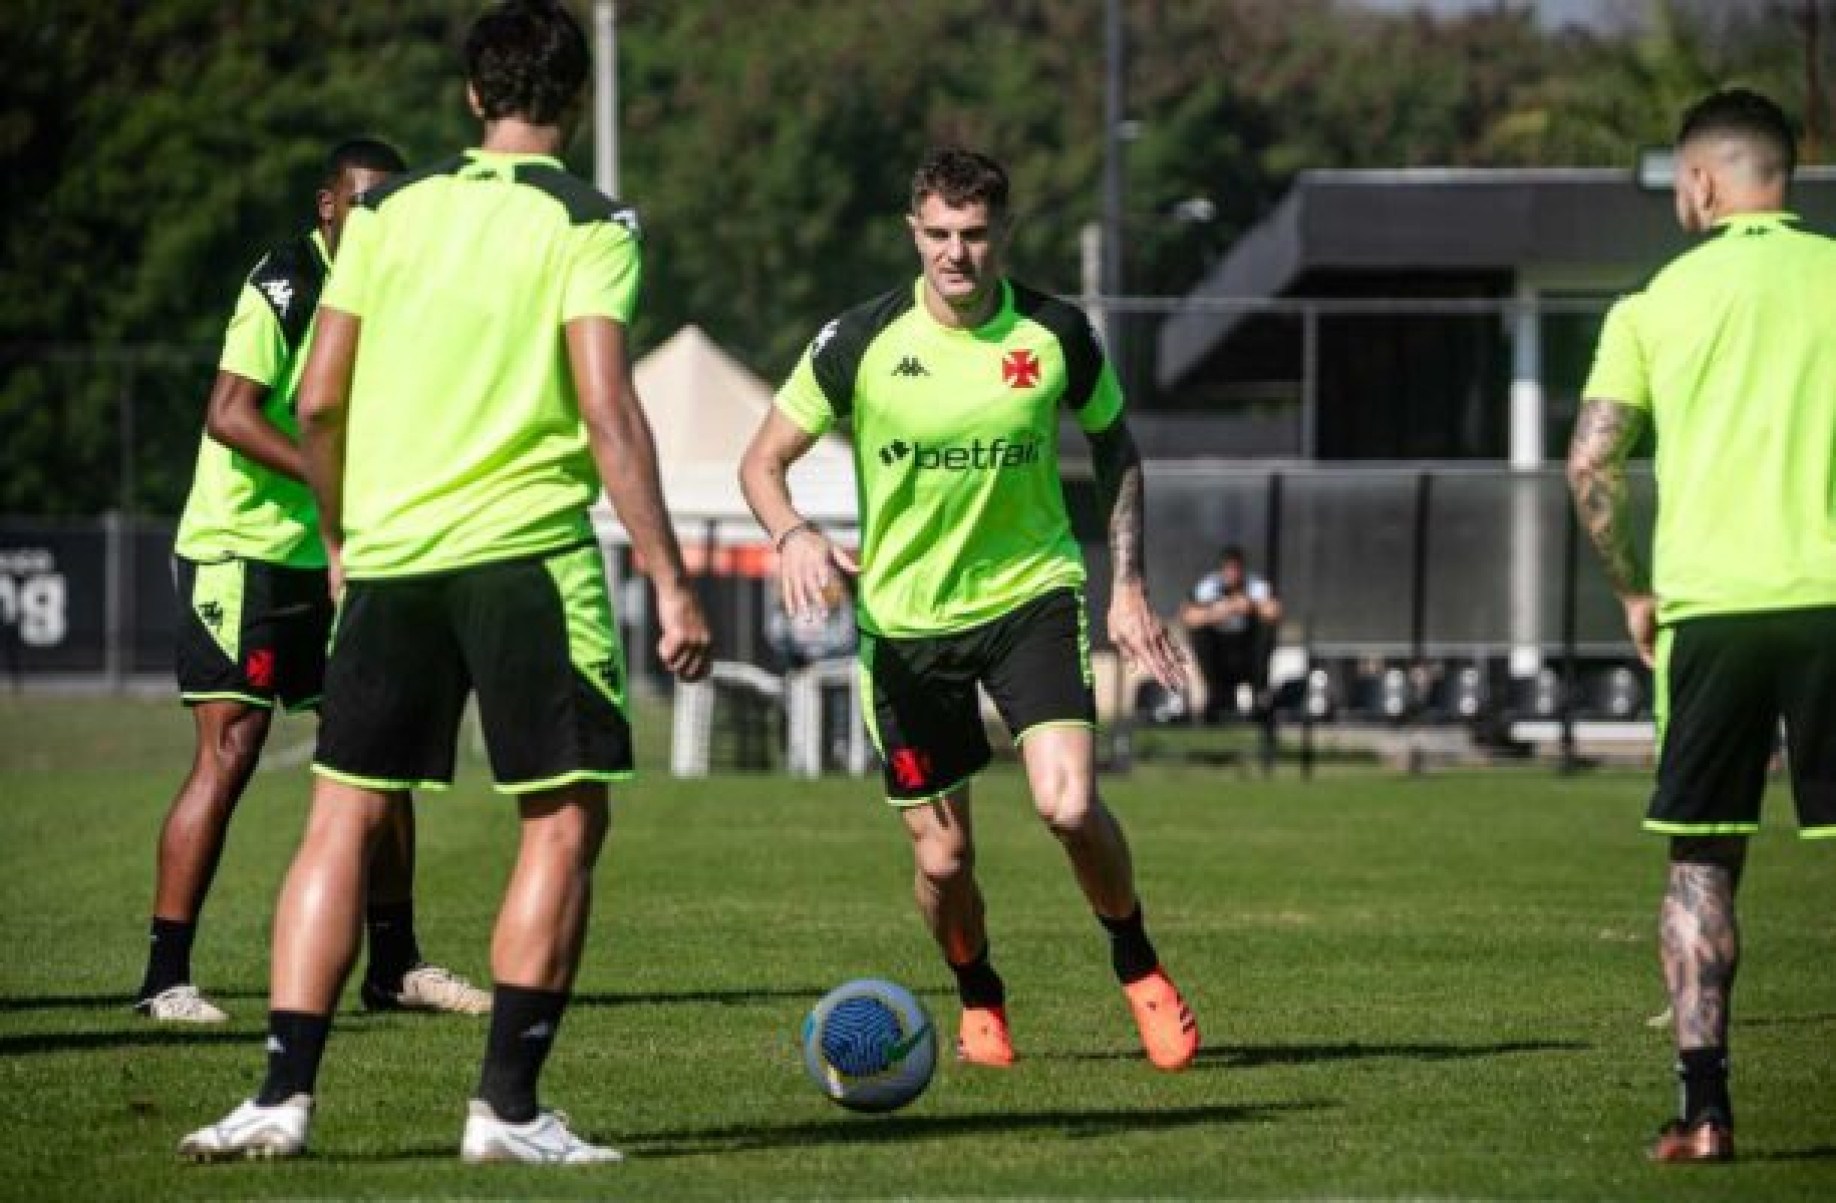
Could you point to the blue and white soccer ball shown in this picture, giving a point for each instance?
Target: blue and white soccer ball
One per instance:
(869, 1045)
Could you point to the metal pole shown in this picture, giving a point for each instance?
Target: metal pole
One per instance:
(1310, 384)
(1418, 588)
(1570, 582)
(119, 654)
(1090, 277)
(1271, 534)
(1114, 102)
(605, 96)
(1306, 753)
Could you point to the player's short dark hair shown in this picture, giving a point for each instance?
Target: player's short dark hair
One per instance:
(361, 154)
(961, 177)
(1742, 113)
(1232, 553)
(527, 59)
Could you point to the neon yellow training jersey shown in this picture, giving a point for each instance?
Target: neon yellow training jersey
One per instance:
(239, 509)
(464, 443)
(956, 450)
(1732, 350)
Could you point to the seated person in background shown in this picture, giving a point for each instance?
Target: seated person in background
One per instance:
(1231, 618)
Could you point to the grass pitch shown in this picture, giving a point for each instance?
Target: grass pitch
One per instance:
(1428, 987)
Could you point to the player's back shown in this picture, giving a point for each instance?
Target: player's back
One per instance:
(464, 441)
(1739, 336)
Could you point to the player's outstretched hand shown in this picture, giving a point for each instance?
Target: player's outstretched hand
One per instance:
(813, 575)
(684, 647)
(1142, 638)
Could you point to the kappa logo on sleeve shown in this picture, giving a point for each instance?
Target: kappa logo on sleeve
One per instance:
(280, 294)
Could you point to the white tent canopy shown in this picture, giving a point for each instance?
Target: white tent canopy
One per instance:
(703, 407)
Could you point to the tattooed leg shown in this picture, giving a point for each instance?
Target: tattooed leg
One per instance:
(1699, 938)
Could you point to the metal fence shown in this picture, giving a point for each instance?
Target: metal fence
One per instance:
(1424, 561)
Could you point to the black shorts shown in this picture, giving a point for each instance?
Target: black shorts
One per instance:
(1724, 683)
(924, 714)
(534, 637)
(250, 632)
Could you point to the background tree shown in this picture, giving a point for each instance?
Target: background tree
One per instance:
(147, 153)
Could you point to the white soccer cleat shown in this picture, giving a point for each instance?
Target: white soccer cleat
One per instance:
(430, 988)
(181, 1004)
(544, 1140)
(253, 1131)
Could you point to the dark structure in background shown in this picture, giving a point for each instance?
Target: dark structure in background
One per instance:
(1441, 307)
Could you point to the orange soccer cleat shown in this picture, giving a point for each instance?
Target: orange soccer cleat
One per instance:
(1168, 1032)
(982, 1038)
(1706, 1140)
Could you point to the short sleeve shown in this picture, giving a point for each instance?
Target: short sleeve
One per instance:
(1104, 407)
(604, 273)
(1620, 373)
(802, 398)
(254, 346)
(347, 290)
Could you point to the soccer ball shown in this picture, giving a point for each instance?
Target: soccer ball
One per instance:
(869, 1045)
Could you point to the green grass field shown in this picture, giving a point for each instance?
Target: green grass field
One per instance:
(1429, 987)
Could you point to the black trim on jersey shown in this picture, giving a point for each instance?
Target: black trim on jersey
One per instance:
(1076, 339)
(836, 354)
(584, 203)
(372, 198)
(289, 278)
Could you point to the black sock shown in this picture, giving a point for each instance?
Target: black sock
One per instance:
(168, 956)
(1704, 1075)
(393, 947)
(296, 1042)
(977, 984)
(523, 1024)
(1131, 953)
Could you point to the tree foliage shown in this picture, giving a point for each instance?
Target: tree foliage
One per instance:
(150, 151)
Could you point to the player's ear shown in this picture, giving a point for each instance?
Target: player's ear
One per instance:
(472, 101)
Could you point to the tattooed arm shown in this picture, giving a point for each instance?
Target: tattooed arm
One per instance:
(1604, 436)
(1134, 628)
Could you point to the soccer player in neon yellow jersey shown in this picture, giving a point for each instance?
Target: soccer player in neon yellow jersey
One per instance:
(255, 613)
(1729, 355)
(969, 574)
(468, 391)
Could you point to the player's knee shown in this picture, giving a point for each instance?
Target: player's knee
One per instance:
(1067, 804)
(943, 862)
(572, 825)
(235, 746)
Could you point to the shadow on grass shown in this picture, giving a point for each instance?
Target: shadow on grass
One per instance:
(148, 1037)
(83, 1002)
(724, 998)
(1814, 1153)
(1251, 1056)
(1785, 1021)
(1075, 1125)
